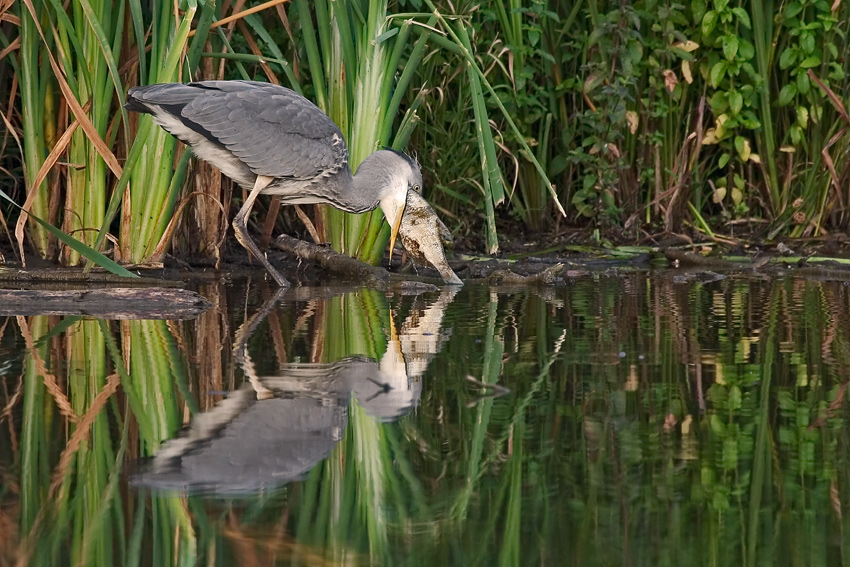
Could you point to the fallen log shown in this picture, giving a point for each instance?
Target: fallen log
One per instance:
(113, 303)
(332, 261)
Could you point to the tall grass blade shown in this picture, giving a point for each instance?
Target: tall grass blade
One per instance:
(95, 257)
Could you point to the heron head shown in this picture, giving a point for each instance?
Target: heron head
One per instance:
(400, 174)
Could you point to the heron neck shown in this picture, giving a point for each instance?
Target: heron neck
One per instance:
(363, 189)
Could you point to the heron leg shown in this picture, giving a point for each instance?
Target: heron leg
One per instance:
(241, 229)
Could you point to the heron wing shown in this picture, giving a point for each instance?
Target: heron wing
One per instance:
(271, 129)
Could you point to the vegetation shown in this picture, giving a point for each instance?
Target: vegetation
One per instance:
(645, 117)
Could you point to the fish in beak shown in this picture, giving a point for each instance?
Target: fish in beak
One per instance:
(423, 233)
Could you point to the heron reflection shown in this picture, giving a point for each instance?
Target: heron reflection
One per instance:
(275, 428)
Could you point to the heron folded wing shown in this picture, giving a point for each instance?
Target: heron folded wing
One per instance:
(273, 130)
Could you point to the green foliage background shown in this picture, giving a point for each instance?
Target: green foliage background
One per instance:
(643, 116)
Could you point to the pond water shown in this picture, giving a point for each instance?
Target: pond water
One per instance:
(652, 418)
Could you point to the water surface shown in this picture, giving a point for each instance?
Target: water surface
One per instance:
(638, 419)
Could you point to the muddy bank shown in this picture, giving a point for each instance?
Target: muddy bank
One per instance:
(309, 264)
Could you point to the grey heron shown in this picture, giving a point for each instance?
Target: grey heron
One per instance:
(273, 141)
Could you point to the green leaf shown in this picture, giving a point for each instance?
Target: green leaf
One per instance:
(635, 51)
(743, 17)
(724, 159)
(708, 22)
(698, 10)
(737, 196)
(719, 102)
(746, 50)
(810, 61)
(718, 72)
(730, 47)
(86, 252)
(832, 50)
(597, 34)
(739, 144)
(793, 9)
(802, 116)
(803, 83)
(788, 57)
(787, 94)
(796, 134)
(751, 72)
(681, 54)
(749, 120)
(736, 102)
(807, 42)
(739, 182)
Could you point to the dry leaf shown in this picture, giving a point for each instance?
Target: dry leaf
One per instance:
(688, 45)
(737, 196)
(670, 80)
(589, 83)
(632, 119)
(686, 72)
(746, 151)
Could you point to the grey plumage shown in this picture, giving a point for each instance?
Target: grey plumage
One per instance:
(273, 141)
(256, 122)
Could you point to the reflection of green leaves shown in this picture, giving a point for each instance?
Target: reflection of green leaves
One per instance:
(734, 399)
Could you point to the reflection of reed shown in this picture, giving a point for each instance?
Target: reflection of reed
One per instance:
(208, 357)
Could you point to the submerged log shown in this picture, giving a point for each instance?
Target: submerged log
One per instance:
(115, 303)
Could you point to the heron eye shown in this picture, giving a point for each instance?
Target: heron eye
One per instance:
(417, 188)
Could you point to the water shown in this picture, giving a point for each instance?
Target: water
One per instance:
(638, 419)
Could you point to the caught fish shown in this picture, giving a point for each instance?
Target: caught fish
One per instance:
(423, 233)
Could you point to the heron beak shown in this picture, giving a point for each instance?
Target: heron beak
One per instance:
(394, 231)
(393, 206)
